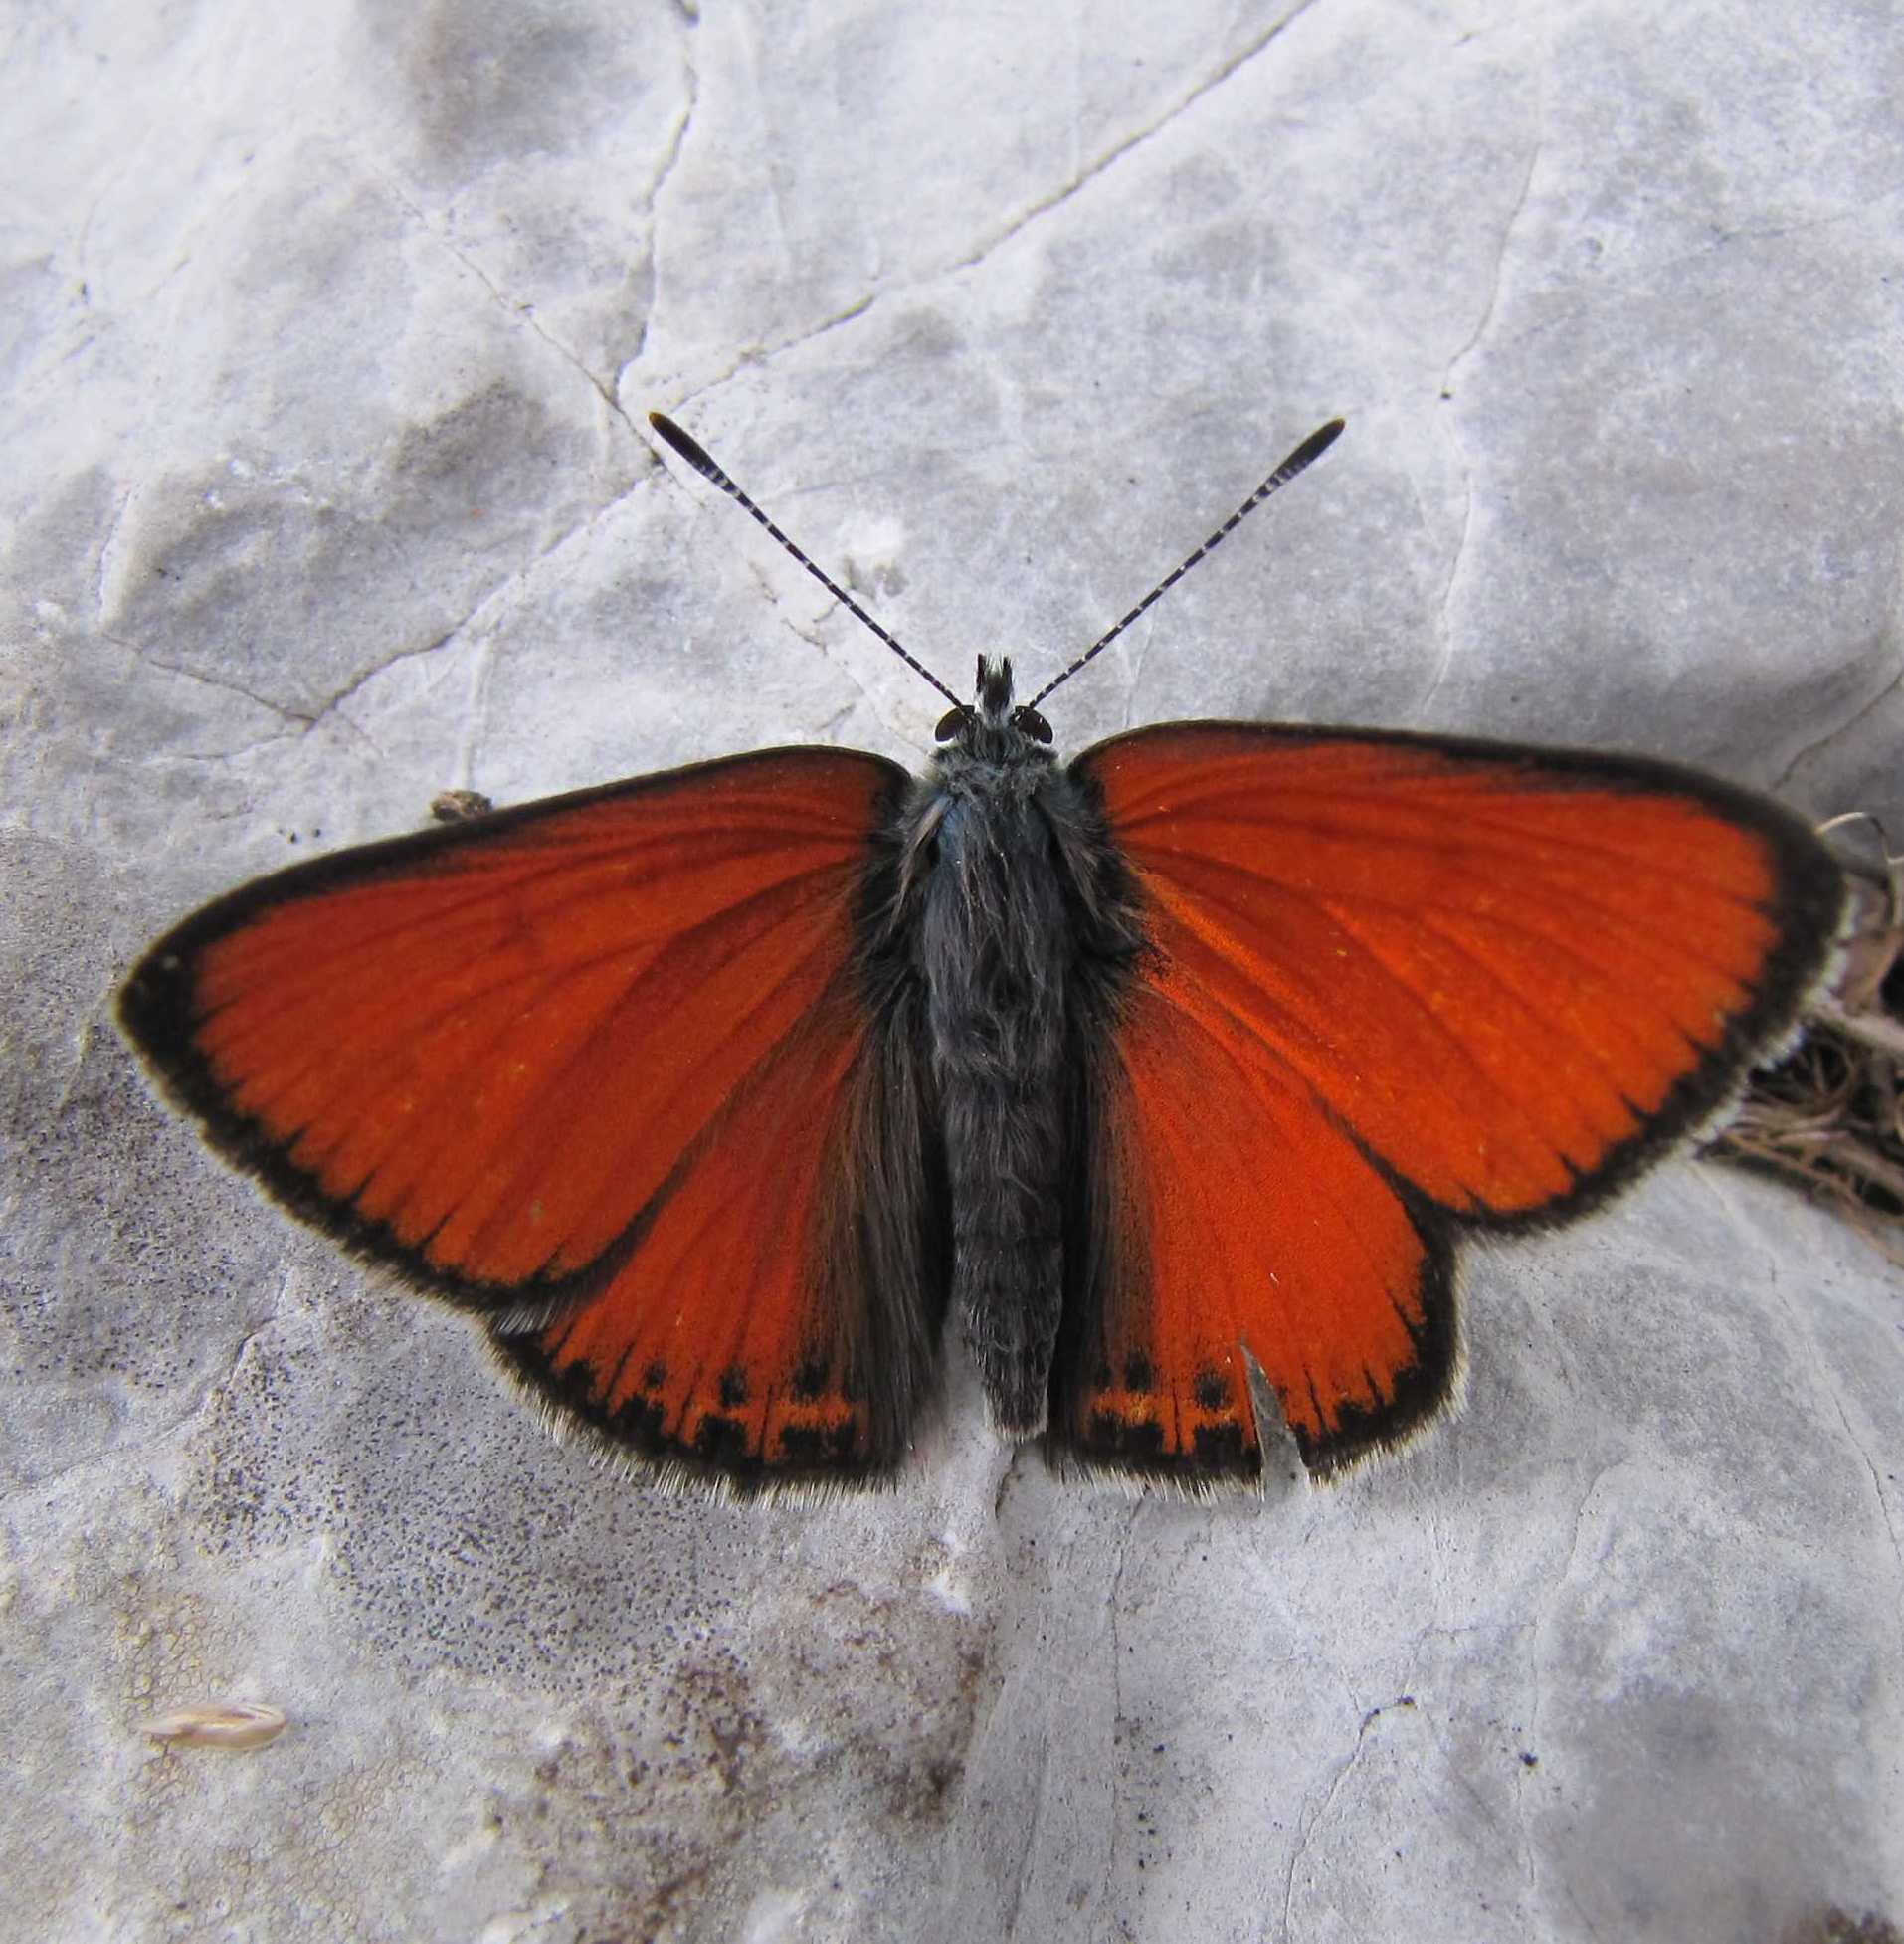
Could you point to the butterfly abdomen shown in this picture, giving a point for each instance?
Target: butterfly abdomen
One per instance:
(993, 949)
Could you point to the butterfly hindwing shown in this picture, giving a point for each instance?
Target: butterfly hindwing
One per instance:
(613, 1070)
(1396, 985)
(774, 1320)
(1249, 1241)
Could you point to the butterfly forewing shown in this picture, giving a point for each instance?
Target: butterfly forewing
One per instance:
(579, 1066)
(1396, 984)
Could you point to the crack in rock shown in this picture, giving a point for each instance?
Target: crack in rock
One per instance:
(1501, 252)
(1118, 150)
(1447, 615)
(284, 712)
(677, 141)
(1483, 324)
(761, 356)
(1822, 1374)
(1854, 721)
(522, 315)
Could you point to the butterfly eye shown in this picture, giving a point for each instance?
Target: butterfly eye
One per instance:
(954, 723)
(1028, 721)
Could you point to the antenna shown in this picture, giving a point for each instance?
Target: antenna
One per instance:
(1305, 456)
(702, 462)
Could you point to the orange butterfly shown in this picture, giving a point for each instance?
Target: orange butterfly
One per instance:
(1175, 1074)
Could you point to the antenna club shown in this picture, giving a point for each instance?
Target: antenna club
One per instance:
(691, 450)
(1313, 447)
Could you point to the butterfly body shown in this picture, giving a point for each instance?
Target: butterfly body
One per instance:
(1024, 934)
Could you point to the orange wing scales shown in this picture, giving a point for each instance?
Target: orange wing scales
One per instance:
(1249, 1227)
(588, 1067)
(460, 1049)
(1399, 985)
(707, 1345)
(1493, 974)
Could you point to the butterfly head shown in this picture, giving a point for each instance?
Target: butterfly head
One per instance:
(990, 727)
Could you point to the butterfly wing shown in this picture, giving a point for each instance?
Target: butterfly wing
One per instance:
(622, 1072)
(1399, 986)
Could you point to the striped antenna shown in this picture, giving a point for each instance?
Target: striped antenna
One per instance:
(1305, 455)
(703, 464)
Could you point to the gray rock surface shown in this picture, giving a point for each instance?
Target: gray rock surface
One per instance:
(329, 336)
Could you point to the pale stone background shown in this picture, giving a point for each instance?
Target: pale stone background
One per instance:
(328, 335)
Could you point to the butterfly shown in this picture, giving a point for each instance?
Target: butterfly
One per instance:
(1171, 1077)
